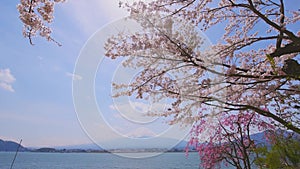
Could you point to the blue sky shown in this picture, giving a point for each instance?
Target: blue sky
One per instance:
(36, 81)
(36, 101)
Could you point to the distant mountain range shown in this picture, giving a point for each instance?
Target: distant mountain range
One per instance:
(144, 143)
(119, 144)
(80, 146)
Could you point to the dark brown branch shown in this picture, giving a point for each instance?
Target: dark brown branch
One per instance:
(279, 40)
(265, 113)
(291, 35)
(291, 67)
(30, 10)
(278, 119)
(287, 49)
(185, 6)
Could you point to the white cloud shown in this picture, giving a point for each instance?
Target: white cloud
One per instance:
(141, 132)
(140, 107)
(137, 112)
(6, 80)
(136, 106)
(6, 86)
(117, 116)
(74, 76)
(92, 15)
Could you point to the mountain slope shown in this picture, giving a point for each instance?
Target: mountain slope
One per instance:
(10, 146)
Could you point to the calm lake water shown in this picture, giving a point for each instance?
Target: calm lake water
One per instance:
(28, 160)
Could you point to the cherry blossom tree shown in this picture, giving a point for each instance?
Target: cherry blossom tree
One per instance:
(252, 71)
(36, 16)
(230, 141)
(255, 60)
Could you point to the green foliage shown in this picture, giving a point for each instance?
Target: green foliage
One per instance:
(284, 153)
(272, 62)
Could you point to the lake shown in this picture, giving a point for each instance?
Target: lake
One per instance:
(32, 160)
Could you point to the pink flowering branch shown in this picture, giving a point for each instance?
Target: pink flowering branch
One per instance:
(248, 79)
(230, 140)
(36, 15)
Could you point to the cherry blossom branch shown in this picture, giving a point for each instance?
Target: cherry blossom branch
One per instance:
(36, 15)
(279, 40)
(243, 107)
(261, 112)
(183, 7)
(292, 36)
(247, 77)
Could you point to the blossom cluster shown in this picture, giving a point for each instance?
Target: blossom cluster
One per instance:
(242, 71)
(36, 16)
(228, 141)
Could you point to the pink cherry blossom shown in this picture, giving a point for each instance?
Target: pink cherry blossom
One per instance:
(243, 71)
(36, 16)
